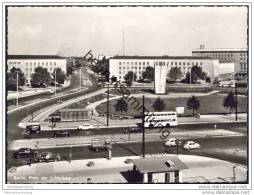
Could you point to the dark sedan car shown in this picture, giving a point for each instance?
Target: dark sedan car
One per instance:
(62, 134)
(133, 130)
(25, 153)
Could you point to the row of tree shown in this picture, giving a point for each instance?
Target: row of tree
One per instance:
(196, 73)
(40, 78)
(192, 104)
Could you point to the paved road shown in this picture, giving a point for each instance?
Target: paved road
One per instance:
(237, 127)
(231, 149)
(14, 132)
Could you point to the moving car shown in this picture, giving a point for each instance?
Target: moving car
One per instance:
(191, 145)
(33, 128)
(85, 126)
(62, 134)
(172, 142)
(25, 153)
(133, 130)
(47, 157)
(99, 145)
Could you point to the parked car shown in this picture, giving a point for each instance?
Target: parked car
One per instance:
(47, 157)
(133, 130)
(191, 145)
(85, 126)
(25, 153)
(172, 142)
(62, 134)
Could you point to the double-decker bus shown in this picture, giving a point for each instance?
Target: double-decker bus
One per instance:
(159, 119)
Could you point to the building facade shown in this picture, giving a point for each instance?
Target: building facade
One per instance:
(237, 56)
(119, 66)
(27, 63)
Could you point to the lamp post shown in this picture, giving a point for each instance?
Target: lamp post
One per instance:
(143, 128)
(190, 76)
(55, 82)
(177, 146)
(236, 79)
(80, 77)
(17, 101)
(108, 106)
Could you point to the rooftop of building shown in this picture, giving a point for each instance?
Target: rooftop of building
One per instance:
(220, 50)
(159, 164)
(159, 57)
(30, 57)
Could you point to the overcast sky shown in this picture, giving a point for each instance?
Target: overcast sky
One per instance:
(72, 31)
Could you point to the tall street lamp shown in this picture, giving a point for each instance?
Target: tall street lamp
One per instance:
(55, 82)
(190, 75)
(236, 79)
(108, 106)
(17, 101)
(80, 77)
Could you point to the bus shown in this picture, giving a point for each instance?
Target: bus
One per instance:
(161, 119)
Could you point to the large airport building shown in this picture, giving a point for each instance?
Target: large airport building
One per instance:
(27, 63)
(237, 56)
(119, 66)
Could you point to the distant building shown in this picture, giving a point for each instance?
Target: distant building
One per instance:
(237, 56)
(119, 66)
(27, 63)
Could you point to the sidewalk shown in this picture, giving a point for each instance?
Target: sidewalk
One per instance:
(116, 138)
(200, 169)
(35, 91)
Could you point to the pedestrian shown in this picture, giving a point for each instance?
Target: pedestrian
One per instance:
(215, 126)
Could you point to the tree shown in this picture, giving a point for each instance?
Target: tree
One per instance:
(78, 64)
(12, 79)
(196, 74)
(60, 75)
(69, 70)
(130, 77)
(148, 73)
(101, 67)
(159, 104)
(40, 77)
(121, 105)
(230, 101)
(174, 73)
(193, 103)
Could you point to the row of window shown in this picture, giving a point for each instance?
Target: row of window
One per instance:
(160, 120)
(15, 63)
(34, 63)
(132, 68)
(225, 56)
(134, 63)
(41, 63)
(161, 63)
(179, 63)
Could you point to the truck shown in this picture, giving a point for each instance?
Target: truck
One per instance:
(100, 144)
